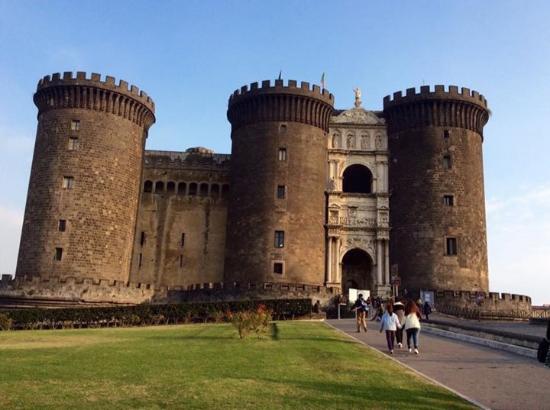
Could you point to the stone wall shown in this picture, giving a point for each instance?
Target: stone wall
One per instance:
(483, 305)
(183, 197)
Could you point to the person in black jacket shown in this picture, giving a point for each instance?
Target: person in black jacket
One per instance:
(361, 308)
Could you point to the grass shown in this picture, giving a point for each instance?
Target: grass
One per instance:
(306, 366)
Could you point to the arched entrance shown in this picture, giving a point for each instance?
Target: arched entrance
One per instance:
(357, 271)
(357, 179)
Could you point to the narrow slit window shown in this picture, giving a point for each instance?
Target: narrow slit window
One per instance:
(182, 240)
(181, 261)
(279, 239)
(62, 225)
(140, 260)
(58, 254)
(68, 182)
(282, 154)
(452, 248)
(142, 238)
(448, 200)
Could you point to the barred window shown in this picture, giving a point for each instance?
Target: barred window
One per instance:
(282, 154)
(68, 182)
(451, 247)
(75, 125)
(74, 144)
(279, 239)
(448, 200)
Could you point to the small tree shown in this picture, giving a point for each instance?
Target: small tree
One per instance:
(5, 322)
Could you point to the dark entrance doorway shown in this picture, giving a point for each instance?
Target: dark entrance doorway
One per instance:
(357, 271)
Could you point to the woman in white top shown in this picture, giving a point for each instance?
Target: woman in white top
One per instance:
(412, 325)
(389, 323)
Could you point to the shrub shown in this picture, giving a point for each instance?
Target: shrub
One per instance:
(249, 321)
(5, 322)
(93, 317)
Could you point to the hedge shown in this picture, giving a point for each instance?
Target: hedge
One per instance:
(138, 315)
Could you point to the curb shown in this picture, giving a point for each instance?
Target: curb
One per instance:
(418, 373)
(522, 351)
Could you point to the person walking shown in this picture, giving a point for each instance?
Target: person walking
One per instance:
(361, 309)
(427, 310)
(412, 325)
(389, 324)
(399, 310)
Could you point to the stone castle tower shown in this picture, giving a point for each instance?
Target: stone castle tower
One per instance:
(276, 211)
(85, 180)
(438, 234)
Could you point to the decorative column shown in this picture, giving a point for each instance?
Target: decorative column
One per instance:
(329, 262)
(379, 263)
(387, 260)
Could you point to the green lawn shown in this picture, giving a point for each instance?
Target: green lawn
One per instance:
(308, 365)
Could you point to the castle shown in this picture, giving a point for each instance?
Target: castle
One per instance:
(312, 199)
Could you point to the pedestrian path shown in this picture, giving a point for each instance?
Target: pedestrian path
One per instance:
(496, 379)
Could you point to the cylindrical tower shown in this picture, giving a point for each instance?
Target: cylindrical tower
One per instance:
(85, 179)
(438, 234)
(278, 176)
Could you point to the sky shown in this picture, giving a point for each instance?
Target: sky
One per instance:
(190, 55)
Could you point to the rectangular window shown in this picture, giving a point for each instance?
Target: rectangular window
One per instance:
(68, 182)
(447, 162)
(182, 240)
(279, 239)
(73, 144)
(451, 247)
(58, 254)
(75, 125)
(281, 192)
(62, 225)
(446, 134)
(282, 154)
(278, 268)
(142, 238)
(448, 200)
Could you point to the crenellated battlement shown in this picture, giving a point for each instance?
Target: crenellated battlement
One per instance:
(439, 107)
(73, 288)
(438, 93)
(279, 102)
(483, 304)
(279, 87)
(93, 92)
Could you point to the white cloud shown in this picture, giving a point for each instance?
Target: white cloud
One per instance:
(519, 242)
(11, 221)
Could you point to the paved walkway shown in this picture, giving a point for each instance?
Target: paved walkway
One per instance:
(496, 379)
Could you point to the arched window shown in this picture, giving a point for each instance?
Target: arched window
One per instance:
(182, 187)
(357, 179)
(148, 186)
(171, 187)
(159, 186)
(192, 188)
(215, 190)
(204, 189)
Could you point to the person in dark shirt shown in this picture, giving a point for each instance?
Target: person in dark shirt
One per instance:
(361, 308)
